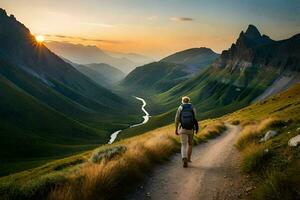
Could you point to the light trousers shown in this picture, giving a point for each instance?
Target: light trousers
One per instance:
(186, 141)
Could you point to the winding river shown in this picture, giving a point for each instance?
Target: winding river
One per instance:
(146, 117)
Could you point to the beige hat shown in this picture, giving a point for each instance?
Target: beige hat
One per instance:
(185, 99)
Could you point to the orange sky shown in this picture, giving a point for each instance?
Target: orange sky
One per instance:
(154, 28)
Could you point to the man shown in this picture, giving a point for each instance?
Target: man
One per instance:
(186, 123)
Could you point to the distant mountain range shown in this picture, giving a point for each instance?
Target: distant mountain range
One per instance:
(169, 71)
(47, 107)
(103, 74)
(81, 54)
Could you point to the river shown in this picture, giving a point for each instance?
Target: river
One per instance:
(146, 117)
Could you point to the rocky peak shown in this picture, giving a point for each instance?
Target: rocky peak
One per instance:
(2, 12)
(252, 33)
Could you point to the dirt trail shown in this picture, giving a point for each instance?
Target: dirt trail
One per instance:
(213, 174)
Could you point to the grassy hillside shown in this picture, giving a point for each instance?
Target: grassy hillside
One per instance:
(26, 136)
(105, 173)
(109, 168)
(273, 164)
(195, 58)
(157, 76)
(215, 92)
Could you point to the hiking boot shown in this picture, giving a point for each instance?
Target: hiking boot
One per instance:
(189, 160)
(185, 162)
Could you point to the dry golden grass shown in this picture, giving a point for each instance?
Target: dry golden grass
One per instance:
(270, 122)
(109, 178)
(247, 135)
(213, 130)
(253, 131)
(254, 157)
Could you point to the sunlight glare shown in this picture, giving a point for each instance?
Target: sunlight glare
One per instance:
(40, 38)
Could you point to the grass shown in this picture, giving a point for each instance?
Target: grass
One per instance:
(254, 158)
(273, 165)
(113, 172)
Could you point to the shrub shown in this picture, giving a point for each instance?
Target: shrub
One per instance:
(107, 154)
(278, 185)
(248, 135)
(255, 157)
(271, 122)
(235, 122)
(213, 130)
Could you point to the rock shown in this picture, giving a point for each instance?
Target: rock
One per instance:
(269, 134)
(298, 129)
(248, 189)
(295, 141)
(148, 194)
(266, 150)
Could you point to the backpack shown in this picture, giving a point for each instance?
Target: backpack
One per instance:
(187, 117)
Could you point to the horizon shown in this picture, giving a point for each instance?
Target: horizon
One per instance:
(158, 31)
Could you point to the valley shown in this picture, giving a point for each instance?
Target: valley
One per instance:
(146, 117)
(81, 121)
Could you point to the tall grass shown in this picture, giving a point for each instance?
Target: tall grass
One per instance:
(269, 161)
(252, 132)
(255, 157)
(111, 178)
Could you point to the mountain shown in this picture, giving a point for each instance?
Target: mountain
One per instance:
(137, 58)
(48, 108)
(156, 76)
(252, 69)
(111, 73)
(170, 71)
(242, 72)
(81, 54)
(253, 50)
(195, 58)
(103, 74)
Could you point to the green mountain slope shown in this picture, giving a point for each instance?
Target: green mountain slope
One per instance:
(31, 129)
(103, 74)
(195, 59)
(111, 74)
(48, 108)
(157, 76)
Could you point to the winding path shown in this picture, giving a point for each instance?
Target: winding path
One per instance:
(213, 174)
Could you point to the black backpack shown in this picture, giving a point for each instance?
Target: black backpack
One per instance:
(187, 117)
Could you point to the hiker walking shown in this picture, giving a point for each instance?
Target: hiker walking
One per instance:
(186, 124)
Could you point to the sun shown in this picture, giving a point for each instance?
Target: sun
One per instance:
(40, 38)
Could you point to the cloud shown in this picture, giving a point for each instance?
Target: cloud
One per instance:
(181, 19)
(82, 39)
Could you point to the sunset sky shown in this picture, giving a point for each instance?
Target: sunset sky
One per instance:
(155, 27)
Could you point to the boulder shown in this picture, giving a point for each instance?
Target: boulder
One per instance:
(294, 141)
(269, 134)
